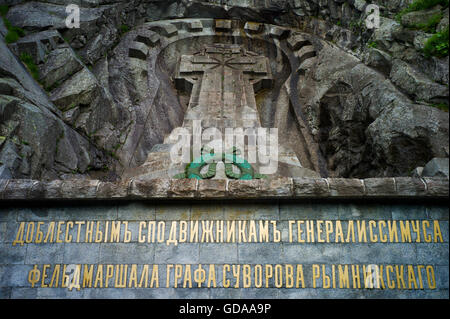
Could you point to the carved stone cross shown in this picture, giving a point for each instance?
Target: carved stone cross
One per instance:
(222, 80)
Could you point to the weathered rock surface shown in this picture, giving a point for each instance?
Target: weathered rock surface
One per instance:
(444, 22)
(282, 188)
(406, 45)
(416, 85)
(364, 125)
(437, 167)
(359, 120)
(32, 130)
(378, 60)
(34, 144)
(80, 89)
(60, 64)
(415, 18)
(39, 15)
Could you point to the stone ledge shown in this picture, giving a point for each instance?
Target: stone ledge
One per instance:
(282, 188)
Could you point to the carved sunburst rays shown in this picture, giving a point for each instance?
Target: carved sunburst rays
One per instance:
(215, 63)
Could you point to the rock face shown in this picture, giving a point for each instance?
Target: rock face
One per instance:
(60, 64)
(349, 101)
(364, 125)
(414, 18)
(35, 141)
(416, 85)
(437, 167)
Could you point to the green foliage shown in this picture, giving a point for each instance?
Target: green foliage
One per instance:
(372, 44)
(53, 86)
(431, 24)
(441, 106)
(124, 29)
(437, 45)
(418, 5)
(9, 26)
(28, 61)
(3, 10)
(14, 33)
(11, 37)
(355, 25)
(113, 154)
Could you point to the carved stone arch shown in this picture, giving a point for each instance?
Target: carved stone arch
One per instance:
(293, 52)
(297, 53)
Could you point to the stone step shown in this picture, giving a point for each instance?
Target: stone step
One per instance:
(305, 53)
(52, 37)
(195, 26)
(277, 32)
(222, 25)
(148, 38)
(253, 27)
(138, 50)
(189, 25)
(297, 41)
(38, 45)
(168, 30)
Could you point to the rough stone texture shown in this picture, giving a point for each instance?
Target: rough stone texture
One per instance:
(436, 185)
(410, 186)
(131, 105)
(17, 189)
(79, 188)
(282, 187)
(36, 15)
(148, 188)
(3, 30)
(444, 22)
(373, 129)
(244, 189)
(5, 172)
(80, 89)
(416, 85)
(138, 51)
(212, 188)
(61, 63)
(380, 186)
(346, 187)
(311, 187)
(107, 190)
(437, 167)
(379, 60)
(53, 189)
(414, 18)
(183, 188)
(85, 189)
(33, 129)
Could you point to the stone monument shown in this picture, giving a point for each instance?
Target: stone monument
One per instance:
(117, 179)
(222, 80)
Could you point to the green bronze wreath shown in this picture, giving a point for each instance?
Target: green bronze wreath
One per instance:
(193, 169)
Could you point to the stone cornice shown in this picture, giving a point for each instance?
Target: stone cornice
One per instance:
(282, 188)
